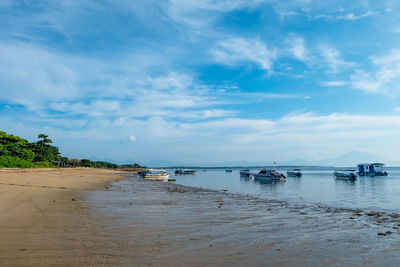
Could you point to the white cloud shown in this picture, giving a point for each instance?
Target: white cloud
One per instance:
(384, 78)
(334, 59)
(223, 139)
(351, 16)
(298, 49)
(334, 83)
(29, 74)
(235, 51)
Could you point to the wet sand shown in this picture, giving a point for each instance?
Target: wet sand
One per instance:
(43, 221)
(74, 217)
(156, 223)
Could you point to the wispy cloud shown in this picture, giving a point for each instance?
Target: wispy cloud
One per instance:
(298, 48)
(334, 59)
(351, 16)
(240, 51)
(334, 83)
(383, 77)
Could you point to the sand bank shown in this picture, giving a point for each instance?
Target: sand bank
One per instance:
(43, 222)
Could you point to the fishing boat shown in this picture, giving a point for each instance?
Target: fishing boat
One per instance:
(345, 175)
(245, 173)
(269, 175)
(189, 172)
(294, 173)
(157, 175)
(228, 170)
(371, 169)
(185, 172)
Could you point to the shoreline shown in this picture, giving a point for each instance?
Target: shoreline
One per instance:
(43, 220)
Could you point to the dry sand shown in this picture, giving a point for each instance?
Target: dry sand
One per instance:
(42, 220)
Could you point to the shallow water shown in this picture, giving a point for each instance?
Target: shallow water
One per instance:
(314, 187)
(165, 224)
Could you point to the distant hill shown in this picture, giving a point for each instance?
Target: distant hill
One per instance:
(349, 159)
(352, 159)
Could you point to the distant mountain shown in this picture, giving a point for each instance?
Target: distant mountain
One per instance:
(351, 159)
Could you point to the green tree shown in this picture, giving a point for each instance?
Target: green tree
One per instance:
(44, 151)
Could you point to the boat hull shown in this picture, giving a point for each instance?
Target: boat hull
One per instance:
(157, 177)
(294, 174)
(267, 178)
(343, 176)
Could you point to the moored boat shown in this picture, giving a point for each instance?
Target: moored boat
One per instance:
(294, 173)
(189, 172)
(245, 173)
(345, 175)
(185, 172)
(157, 175)
(269, 175)
(371, 169)
(228, 170)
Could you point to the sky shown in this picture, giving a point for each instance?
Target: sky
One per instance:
(203, 82)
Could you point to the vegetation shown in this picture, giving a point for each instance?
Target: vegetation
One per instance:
(97, 164)
(16, 152)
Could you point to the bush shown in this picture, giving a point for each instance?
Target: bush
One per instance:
(15, 162)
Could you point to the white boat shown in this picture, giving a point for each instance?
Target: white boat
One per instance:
(345, 175)
(294, 172)
(269, 175)
(157, 175)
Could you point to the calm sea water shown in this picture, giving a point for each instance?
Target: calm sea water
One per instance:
(314, 187)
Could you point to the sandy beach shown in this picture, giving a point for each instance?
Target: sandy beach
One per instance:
(43, 222)
(70, 217)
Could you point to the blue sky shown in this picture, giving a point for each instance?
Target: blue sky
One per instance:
(203, 81)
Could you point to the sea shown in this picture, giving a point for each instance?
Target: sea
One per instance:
(317, 186)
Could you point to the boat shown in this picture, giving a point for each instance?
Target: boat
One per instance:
(156, 175)
(228, 170)
(371, 169)
(189, 172)
(269, 175)
(294, 173)
(245, 173)
(185, 172)
(345, 175)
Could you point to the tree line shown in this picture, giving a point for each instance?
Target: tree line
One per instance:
(16, 152)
